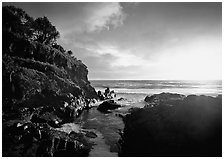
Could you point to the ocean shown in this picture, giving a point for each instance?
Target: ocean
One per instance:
(107, 126)
(149, 87)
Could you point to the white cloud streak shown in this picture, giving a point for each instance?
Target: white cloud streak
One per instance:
(102, 16)
(121, 57)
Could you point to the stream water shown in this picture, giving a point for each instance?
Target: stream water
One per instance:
(106, 127)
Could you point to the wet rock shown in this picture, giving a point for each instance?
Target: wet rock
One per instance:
(63, 144)
(108, 105)
(100, 95)
(39, 139)
(133, 109)
(190, 127)
(107, 94)
(120, 115)
(73, 134)
(46, 117)
(112, 94)
(90, 134)
(36, 119)
(167, 98)
(219, 96)
(93, 100)
(54, 124)
(121, 99)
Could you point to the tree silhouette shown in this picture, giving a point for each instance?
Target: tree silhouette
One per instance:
(17, 21)
(44, 31)
(69, 52)
(59, 47)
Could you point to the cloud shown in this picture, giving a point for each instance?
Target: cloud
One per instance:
(122, 57)
(152, 44)
(91, 18)
(105, 60)
(190, 60)
(102, 16)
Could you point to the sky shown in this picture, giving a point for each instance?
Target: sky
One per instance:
(139, 41)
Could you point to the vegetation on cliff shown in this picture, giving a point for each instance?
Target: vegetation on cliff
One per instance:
(33, 62)
(43, 84)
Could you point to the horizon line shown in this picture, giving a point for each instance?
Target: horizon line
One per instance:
(155, 79)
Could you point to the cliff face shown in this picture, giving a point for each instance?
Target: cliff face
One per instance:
(21, 57)
(43, 86)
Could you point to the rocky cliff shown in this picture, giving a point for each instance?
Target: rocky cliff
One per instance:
(43, 86)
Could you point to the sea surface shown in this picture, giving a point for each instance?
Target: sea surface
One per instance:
(107, 126)
(149, 87)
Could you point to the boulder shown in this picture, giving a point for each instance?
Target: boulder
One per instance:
(191, 127)
(168, 98)
(108, 105)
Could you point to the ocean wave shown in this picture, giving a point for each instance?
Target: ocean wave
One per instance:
(153, 87)
(157, 84)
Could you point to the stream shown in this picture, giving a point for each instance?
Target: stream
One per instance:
(106, 127)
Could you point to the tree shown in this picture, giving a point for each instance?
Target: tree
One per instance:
(70, 52)
(17, 21)
(44, 31)
(16, 30)
(58, 47)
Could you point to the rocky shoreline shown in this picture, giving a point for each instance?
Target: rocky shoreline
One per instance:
(173, 125)
(45, 88)
(44, 132)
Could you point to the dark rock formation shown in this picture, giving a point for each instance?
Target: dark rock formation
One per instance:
(43, 87)
(122, 99)
(41, 140)
(189, 128)
(108, 105)
(90, 134)
(122, 116)
(107, 94)
(165, 98)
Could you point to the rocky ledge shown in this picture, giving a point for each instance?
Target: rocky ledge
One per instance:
(174, 125)
(41, 140)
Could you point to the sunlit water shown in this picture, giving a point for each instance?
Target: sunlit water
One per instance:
(107, 126)
(209, 87)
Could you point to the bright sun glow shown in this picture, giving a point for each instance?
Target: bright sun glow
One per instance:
(197, 60)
